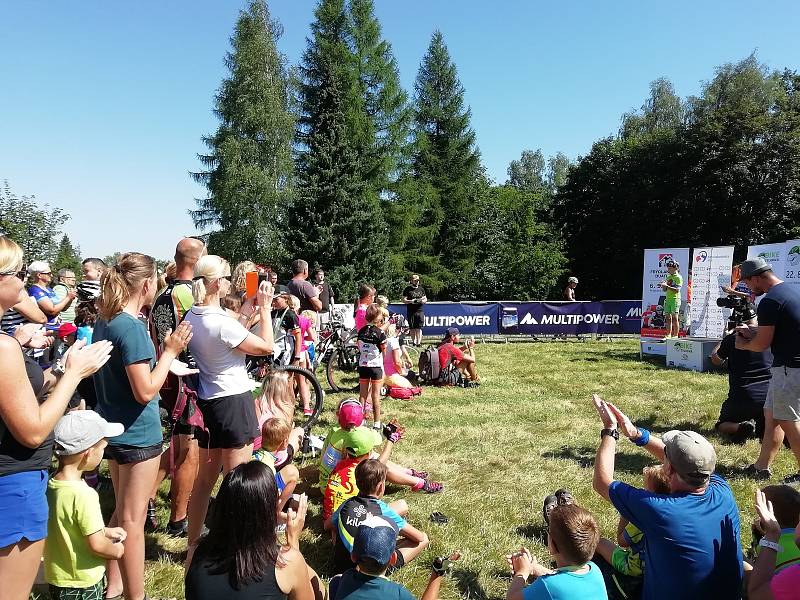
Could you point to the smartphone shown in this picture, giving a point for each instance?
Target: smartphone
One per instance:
(251, 283)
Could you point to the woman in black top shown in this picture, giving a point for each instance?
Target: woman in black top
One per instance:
(26, 436)
(241, 557)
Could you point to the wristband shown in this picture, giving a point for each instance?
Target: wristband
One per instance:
(765, 543)
(644, 437)
(614, 433)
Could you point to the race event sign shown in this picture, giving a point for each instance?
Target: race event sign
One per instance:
(653, 323)
(783, 256)
(571, 318)
(711, 269)
(471, 319)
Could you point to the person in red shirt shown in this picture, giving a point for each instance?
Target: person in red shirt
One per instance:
(463, 357)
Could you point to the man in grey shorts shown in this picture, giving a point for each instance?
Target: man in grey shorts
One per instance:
(779, 330)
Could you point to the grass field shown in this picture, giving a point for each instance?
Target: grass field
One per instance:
(499, 449)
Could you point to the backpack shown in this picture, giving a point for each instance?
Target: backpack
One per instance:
(429, 370)
(283, 343)
(403, 393)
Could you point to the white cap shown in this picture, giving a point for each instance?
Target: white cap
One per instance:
(79, 430)
(572, 280)
(38, 266)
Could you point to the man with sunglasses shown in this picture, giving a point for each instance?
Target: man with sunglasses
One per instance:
(40, 277)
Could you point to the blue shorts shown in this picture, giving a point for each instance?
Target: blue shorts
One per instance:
(23, 506)
(280, 483)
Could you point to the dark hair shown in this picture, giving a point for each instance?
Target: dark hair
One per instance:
(86, 313)
(574, 532)
(785, 503)
(96, 262)
(241, 540)
(370, 566)
(369, 475)
(298, 266)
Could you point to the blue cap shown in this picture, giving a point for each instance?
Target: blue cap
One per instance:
(375, 538)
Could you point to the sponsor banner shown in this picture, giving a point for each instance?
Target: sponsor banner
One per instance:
(653, 323)
(784, 258)
(690, 353)
(471, 319)
(791, 273)
(570, 318)
(711, 269)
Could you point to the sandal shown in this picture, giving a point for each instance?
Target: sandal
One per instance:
(564, 497)
(547, 507)
(420, 474)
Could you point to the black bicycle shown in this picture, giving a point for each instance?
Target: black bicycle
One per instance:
(261, 367)
(337, 353)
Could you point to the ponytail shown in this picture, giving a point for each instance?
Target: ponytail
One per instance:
(209, 268)
(120, 281)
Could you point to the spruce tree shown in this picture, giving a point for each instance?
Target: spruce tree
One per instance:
(249, 165)
(336, 220)
(68, 256)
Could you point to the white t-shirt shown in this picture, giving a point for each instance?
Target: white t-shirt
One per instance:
(215, 336)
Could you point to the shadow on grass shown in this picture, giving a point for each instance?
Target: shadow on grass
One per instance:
(584, 457)
(649, 422)
(466, 581)
(153, 550)
(536, 532)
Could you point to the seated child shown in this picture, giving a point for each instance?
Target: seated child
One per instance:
(786, 506)
(351, 433)
(572, 540)
(274, 443)
(277, 400)
(370, 478)
(78, 542)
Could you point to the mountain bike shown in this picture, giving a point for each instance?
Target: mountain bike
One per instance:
(261, 367)
(337, 353)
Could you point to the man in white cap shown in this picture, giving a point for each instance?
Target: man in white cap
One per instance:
(779, 330)
(691, 547)
(569, 291)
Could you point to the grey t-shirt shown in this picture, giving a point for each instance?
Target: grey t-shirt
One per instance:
(303, 290)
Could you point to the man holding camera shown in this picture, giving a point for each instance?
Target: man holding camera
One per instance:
(779, 330)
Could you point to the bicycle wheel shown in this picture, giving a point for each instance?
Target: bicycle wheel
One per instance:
(305, 378)
(342, 369)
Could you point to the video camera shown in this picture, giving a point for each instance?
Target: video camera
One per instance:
(743, 309)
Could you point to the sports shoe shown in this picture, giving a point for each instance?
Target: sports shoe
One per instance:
(431, 487)
(178, 528)
(792, 478)
(420, 474)
(754, 472)
(151, 523)
(746, 430)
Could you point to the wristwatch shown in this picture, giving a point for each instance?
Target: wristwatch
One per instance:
(764, 542)
(614, 433)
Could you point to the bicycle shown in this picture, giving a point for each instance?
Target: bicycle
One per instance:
(260, 368)
(338, 353)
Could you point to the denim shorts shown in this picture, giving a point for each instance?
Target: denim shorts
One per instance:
(126, 455)
(23, 506)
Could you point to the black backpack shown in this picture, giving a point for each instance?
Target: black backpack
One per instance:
(429, 370)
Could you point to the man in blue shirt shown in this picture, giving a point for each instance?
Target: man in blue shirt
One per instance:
(779, 330)
(691, 536)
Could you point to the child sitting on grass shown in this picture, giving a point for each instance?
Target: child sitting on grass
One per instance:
(572, 538)
(78, 542)
(786, 507)
(370, 476)
(274, 444)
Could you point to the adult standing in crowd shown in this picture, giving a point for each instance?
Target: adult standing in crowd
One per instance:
(40, 276)
(325, 292)
(569, 291)
(127, 392)
(414, 298)
(26, 310)
(692, 547)
(778, 329)
(220, 346)
(26, 436)
(65, 285)
(168, 311)
(304, 290)
(92, 270)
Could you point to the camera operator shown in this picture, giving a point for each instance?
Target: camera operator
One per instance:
(742, 414)
(778, 329)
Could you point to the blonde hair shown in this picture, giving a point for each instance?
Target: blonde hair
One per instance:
(375, 311)
(310, 315)
(382, 301)
(277, 396)
(238, 279)
(120, 281)
(274, 432)
(209, 268)
(294, 303)
(10, 255)
(655, 480)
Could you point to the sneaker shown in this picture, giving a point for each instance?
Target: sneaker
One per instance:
(151, 523)
(792, 478)
(178, 528)
(747, 429)
(754, 472)
(432, 487)
(307, 412)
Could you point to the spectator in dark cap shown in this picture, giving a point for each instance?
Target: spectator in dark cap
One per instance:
(463, 357)
(778, 329)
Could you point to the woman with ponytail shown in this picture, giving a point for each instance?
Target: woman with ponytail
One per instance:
(220, 346)
(127, 392)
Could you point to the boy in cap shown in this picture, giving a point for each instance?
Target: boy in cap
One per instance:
(692, 548)
(463, 358)
(351, 433)
(78, 542)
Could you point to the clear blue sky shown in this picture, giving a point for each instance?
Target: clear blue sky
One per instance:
(103, 103)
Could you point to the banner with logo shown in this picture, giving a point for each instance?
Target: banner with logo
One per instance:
(774, 254)
(570, 318)
(470, 318)
(653, 322)
(711, 269)
(791, 273)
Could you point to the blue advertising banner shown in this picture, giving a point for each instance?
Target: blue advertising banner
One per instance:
(571, 318)
(471, 319)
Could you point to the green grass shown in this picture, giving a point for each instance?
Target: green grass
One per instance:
(499, 449)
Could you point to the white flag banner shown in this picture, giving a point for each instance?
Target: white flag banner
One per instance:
(711, 269)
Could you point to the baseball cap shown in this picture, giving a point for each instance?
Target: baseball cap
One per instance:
(361, 441)
(452, 331)
(673, 264)
(350, 413)
(691, 455)
(754, 266)
(79, 430)
(376, 538)
(281, 290)
(38, 266)
(66, 329)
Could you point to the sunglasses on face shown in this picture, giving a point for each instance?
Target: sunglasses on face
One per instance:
(18, 274)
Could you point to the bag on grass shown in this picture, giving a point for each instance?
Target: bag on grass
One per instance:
(403, 393)
(429, 370)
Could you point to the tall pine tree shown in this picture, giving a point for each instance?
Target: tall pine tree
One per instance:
(68, 256)
(336, 220)
(249, 166)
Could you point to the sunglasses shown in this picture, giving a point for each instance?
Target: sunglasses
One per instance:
(18, 274)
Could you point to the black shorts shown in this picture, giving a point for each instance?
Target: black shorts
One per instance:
(370, 373)
(737, 411)
(231, 421)
(126, 455)
(416, 320)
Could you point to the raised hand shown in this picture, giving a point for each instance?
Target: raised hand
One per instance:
(627, 428)
(176, 341)
(766, 516)
(608, 418)
(83, 360)
(296, 521)
(264, 294)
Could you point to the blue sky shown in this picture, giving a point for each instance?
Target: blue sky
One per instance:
(103, 103)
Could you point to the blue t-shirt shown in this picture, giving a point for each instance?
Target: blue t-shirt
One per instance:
(115, 399)
(691, 541)
(568, 585)
(354, 585)
(40, 293)
(780, 308)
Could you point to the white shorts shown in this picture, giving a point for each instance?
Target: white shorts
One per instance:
(783, 397)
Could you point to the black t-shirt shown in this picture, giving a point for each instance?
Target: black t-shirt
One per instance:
(204, 582)
(283, 332)
(304, 291)
(414, 293)
(780, 308)
(325, 294)
(748, 372)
